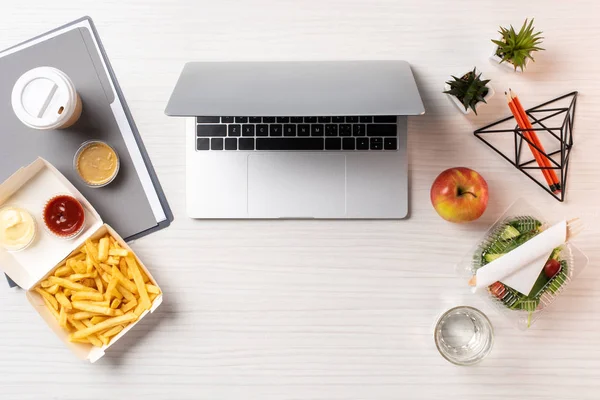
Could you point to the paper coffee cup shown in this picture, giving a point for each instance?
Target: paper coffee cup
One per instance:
(46, 98)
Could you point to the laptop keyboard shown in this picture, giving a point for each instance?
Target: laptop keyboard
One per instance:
(297, 133)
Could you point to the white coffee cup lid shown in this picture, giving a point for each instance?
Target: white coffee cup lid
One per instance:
(44, 98)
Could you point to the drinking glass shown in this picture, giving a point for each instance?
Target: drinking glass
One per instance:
(464, 335)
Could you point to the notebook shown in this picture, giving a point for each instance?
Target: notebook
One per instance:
(134, 204)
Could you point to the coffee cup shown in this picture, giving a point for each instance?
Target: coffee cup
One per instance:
(46, 98)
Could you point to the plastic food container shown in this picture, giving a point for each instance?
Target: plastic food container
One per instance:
(520, 310)
(24, 241)
(73, 216)
(100, 172)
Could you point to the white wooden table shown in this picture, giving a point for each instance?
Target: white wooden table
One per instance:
(325, 309)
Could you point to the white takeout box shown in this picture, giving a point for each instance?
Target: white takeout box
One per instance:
(30, 188)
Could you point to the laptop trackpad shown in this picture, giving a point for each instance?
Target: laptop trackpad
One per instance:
(291, 185)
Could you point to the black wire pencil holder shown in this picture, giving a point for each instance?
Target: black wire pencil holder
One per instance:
(544, 119)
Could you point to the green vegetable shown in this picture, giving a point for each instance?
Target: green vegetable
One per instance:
(509, 232)
(525, 224)
(539, 285)
(555, 253)
(515, 233)
(527, 304)
(499, 246)
(491, 257)
(559, 279)
(543, 282)
(507, 246)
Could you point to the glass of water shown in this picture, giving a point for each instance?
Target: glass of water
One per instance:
(464, 335)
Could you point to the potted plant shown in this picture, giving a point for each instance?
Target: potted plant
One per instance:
(514, 50)
(469, 91)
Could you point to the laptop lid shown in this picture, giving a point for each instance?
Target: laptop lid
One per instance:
(309, 88)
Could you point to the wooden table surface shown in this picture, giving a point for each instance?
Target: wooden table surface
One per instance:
(328, 310)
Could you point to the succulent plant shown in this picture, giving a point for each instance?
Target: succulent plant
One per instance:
(469, 89)
(515, 47)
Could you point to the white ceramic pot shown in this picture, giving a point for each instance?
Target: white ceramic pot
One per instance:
(460, 106)
(506, 64)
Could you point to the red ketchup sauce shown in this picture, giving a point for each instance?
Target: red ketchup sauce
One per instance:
(64, 216)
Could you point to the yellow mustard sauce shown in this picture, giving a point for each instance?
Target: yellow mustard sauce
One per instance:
(97, 163)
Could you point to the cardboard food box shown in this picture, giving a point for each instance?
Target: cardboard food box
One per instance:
(29, 188)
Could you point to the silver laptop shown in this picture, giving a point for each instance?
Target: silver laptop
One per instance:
(320, 139)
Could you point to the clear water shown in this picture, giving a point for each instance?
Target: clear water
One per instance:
(464, 335)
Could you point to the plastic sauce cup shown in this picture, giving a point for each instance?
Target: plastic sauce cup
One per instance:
(64, 216)
(46, 98)
(103, 160)
(27, 240)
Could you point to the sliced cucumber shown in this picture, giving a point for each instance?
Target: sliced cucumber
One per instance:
(509, 232)
(555, 253)
(491, 257)
(525, 224)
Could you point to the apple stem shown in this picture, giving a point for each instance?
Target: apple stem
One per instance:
(461, 192)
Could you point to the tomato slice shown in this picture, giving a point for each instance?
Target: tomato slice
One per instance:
(498, 290)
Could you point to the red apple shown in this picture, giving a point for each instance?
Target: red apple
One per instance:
(459, 195)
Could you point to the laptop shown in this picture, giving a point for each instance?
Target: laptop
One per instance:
(324, 139)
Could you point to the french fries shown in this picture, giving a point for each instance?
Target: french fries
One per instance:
(116, 273)
(89, 282)
(78, 266)
(79, 326)
(99, 284)
(152, 289)
(62, 318)
(118, 252)
(82, 305)
(115, 303)
(113, 331)
(45, 284)
(103, 249)
(112, 260)
(52, 309)
(53, 289)
(125, 293)
(78, 287)
(79, 277)
(97, 318)
(62, 299)
(98, 291)
(63, 271)
(48, 297)
(123, 268)
(112, 286)
(92, 296)
(129, 305)
(83, 315)
(144, 303)
(109, 323)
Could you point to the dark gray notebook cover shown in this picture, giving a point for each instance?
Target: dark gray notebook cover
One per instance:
(123, 204)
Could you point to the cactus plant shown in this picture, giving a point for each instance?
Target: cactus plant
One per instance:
(516, 48)
(469, 89)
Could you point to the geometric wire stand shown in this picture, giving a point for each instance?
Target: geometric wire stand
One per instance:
(552, 122)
